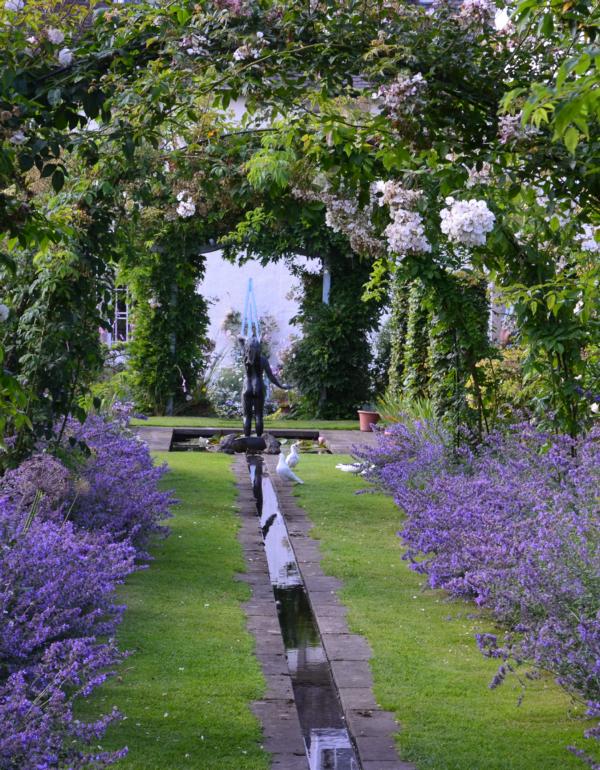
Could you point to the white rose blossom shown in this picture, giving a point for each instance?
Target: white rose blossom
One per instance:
(186, 207)
(344, 215)
(394, 195)
(406, 234)
(467, 222)
(14, 5)
(194, 45)
(65, 57)
(4, 312)
(55, 36)
(483, 176)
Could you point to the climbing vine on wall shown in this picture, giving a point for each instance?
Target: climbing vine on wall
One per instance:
(458, 343)
(398, 324)
(170, 320)
(416, 364)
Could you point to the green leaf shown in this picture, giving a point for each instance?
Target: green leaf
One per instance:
(58, 180)
(547, 25)
(54, 97)
(25, 162)
(571, 139)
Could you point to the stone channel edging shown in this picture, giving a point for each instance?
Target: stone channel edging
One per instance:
(277, 710)
(372, 729)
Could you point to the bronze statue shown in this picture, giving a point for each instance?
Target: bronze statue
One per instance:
(253, 396)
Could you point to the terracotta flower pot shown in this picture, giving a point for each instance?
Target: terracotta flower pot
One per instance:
(367, 418)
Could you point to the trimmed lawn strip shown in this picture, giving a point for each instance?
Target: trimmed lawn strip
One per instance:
(218, 422)
(186, 690)
(426, 666)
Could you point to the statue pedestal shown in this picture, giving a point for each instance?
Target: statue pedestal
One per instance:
(233, 444)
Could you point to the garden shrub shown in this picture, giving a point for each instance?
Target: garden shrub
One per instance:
(56, 601)
(70, 533)
(512, 525)
(118, 483)
(168, 351)
(225, 392)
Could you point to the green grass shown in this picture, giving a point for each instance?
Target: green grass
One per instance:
(212, 422)
(186, 689)
(426, 666)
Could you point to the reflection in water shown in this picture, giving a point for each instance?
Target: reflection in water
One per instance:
(327, 742)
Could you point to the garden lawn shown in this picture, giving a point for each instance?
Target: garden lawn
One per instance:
(218, 422)
(186, 689)
(426, 666)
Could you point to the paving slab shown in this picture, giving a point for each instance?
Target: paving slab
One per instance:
(371, 723)
(158, 439)
(341, 646)
(376, 748)
(343, 442)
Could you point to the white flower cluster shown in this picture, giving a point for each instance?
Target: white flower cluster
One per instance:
(467, 222)
(483, 176)
(587, 240)
(18, 137)
(510, 129)
(186, 207)
(478, 12)
(245, 52)
(65, 57)
(55, 36)
(393, 194)
(344, 215)
(406, 234)
(404, 95)
(14, 5)
(4, 312)
(194, 45)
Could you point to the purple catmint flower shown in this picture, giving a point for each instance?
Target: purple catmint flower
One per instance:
(121, 493)
(512, 525)
(69, 535)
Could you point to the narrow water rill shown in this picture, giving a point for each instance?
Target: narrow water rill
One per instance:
(327, 741)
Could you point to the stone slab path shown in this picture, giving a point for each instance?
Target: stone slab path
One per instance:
(372, 729)
(158, 439)
(342, 442)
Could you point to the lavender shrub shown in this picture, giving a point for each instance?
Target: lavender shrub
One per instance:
(38, 727)
(69, 534)
(512, 525)
(56, 598)
(56, 583)
(118, 489)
